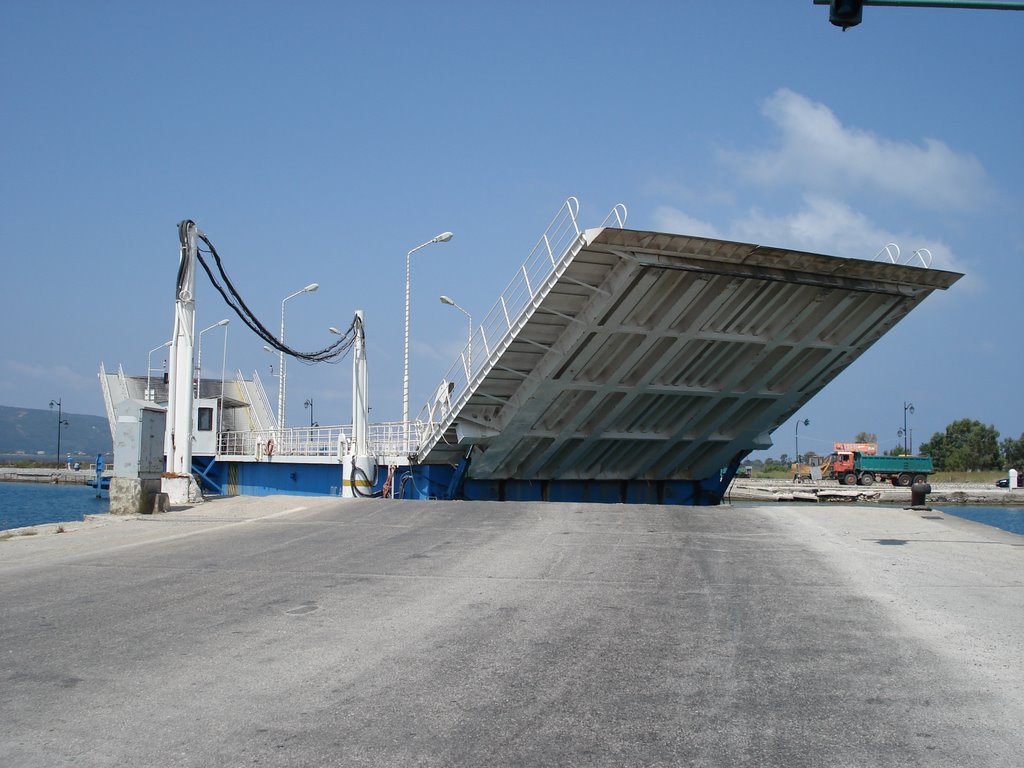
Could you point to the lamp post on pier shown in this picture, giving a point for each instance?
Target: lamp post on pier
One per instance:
(906, 407)
(199, 351)
(444, 237)
(150, 395)
(280, 368)
(61, 422)
(469, 347)
(806, 423)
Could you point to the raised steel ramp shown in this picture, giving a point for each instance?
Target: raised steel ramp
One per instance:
(651, 356)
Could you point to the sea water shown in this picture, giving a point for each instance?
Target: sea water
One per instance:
(25, 504)
(1008, 518)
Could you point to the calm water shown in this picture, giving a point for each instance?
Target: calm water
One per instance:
(1008, 518)
(24, 504)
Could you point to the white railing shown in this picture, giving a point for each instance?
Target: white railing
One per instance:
(547, 261)
(294, 441)
(385, 440)
(891, 253)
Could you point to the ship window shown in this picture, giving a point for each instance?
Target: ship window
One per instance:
(205, 420)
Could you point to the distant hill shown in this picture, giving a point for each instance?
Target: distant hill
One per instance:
(29, 430)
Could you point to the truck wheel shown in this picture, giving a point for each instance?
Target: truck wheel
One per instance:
(849, 479)
(920, 479)
(904, 480)
(867, 479)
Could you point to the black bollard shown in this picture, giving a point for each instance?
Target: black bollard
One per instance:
(918, 492)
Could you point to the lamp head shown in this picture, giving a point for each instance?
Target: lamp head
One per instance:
(444, 237)
(223, 322)
(311, 287)
(447, 300)
(335, 331)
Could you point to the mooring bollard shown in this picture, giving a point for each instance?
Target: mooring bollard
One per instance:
(918, 494)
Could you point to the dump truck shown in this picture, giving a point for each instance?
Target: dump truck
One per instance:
(856, 468)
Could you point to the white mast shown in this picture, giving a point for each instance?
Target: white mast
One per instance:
(360, 404)
(178, 432)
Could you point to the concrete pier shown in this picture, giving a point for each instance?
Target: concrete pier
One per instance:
(313, 631)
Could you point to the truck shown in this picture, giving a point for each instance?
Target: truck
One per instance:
(817, 467)
(856, 468)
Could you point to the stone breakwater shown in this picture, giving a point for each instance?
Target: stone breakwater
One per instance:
(749, 489)
(47, 475)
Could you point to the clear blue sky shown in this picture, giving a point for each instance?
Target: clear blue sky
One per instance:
(320, 141)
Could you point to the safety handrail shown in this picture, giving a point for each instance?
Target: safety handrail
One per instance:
(556, 248)
(385, 439)
(892, 253)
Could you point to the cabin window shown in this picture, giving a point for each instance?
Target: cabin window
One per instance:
(205, 420)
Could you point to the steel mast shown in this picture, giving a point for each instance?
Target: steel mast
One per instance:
(178, 432)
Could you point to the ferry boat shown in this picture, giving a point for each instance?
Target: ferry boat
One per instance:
(617, 365)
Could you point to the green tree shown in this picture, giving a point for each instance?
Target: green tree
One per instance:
(866, 437)
(966, 445)
(1013, 453)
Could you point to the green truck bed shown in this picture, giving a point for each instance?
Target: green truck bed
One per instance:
(921, 465)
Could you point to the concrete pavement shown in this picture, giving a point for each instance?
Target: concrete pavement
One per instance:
(294, 631)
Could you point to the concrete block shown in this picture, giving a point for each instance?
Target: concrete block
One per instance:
(181, 489)
(132, 495)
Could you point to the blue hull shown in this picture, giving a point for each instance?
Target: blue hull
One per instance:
(442, 481)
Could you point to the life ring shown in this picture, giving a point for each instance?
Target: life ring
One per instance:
(270, 447)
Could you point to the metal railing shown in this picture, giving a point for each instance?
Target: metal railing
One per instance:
(386, 439)
(549, 258)
(294, 441)
(891, 253)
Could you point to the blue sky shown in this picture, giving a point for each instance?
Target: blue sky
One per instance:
(321, 141)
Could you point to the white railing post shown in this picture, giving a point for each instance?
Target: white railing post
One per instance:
(549, 258)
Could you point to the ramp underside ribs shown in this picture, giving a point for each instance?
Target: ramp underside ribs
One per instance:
(663, 357)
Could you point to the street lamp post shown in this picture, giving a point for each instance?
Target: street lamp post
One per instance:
(150, 395)
(469, 347)
(281, 370)
(223, 367)
(61, 422)
(906, 407)
(309, 404)
(806, 423)
(444, 237)
(199, 351)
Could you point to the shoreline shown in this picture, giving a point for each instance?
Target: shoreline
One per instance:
(831, 492)
(743, 490)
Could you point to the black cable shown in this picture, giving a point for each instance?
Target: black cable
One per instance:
(372, 483)
(330, 354)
